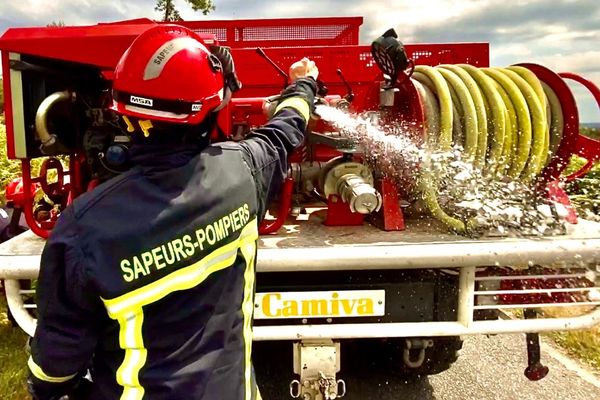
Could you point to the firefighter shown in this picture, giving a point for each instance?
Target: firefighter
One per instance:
(148, 280)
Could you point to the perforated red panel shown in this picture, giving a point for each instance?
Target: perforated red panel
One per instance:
(282, 32)
(357, 64)
(477, 54)
(220, 33)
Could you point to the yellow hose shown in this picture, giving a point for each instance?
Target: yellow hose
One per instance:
(432, 114)
(432, 78)
(469, 112)
(497, 123)
(523, 121)
(445, 101)
(480, 110)
(508, 122)
(556, 120)
(539, 150)
(430, 198)
(536, 85)
(510, 148)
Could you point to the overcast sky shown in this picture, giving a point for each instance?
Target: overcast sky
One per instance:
(561, 34)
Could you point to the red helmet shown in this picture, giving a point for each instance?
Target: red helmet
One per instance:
(168, 75)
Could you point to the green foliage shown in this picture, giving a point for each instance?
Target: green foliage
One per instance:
(1, 96)
(8, 169)
(584, 345)
(206, 6)
(13, 358)
(585, 192)
(594, 133)
(170, 13)
(56, 24)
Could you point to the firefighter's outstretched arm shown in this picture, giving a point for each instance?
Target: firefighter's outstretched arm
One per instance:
(268, 147)
(68, 316)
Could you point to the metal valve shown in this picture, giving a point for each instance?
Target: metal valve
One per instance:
(353, 183)
(359, 194)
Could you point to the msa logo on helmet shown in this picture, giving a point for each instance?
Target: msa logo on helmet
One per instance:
(196, 107)
(142, 101)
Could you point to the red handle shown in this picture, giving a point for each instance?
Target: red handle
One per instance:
(52, 189)
(28, 206)
(585, 147)
(285, 202)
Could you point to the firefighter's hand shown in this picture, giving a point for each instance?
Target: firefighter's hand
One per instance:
(304, 68)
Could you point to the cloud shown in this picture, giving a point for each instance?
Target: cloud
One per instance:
(72, 12)
(561, 34)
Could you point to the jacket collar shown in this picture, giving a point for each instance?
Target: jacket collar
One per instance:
(155, 158)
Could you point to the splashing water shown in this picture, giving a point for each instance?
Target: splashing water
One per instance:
(497, 205)
(390, 152)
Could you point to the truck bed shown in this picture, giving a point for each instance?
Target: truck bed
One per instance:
(305, 244)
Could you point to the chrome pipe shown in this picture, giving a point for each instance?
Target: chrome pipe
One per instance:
(41, 123)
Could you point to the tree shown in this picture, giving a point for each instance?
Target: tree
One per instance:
(170, 13)
(56, 24)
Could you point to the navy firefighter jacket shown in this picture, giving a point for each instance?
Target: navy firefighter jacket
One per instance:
(148, 281)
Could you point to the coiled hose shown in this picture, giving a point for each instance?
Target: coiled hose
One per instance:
(508, 123)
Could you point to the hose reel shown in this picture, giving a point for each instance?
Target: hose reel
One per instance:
(507, 122)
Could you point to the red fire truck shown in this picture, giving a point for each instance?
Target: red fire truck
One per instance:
(331, 271)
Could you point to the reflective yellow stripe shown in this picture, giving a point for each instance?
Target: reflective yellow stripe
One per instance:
(182, 279)
(298, 104)
(37, 371)
(128, 308)
(249, 252)
(131, 340)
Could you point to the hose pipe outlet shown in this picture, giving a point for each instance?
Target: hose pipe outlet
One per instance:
(359, 194)
(51, 145)
(353, 183)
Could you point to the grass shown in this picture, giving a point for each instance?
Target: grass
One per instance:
(13, 358)
(584, 345)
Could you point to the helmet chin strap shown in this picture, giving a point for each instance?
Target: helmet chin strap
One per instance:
(227, 95)
(231, 82)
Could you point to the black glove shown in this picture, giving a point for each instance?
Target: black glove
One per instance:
(224, 56)
(302, 87)
(77, 388)
(40, 390)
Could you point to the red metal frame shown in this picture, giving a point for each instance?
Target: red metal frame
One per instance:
(585, 147)
(535, 283)
(28, 202)
(288, 32)
(570, 125)
(390, 217)
(285, 204)
(98, 45)
(340, 214)
(356, 62)
(331, 42)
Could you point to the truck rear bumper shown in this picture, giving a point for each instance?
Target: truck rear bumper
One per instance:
(309, 247)
(424, 329)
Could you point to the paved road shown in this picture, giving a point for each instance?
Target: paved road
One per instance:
(488, 369)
